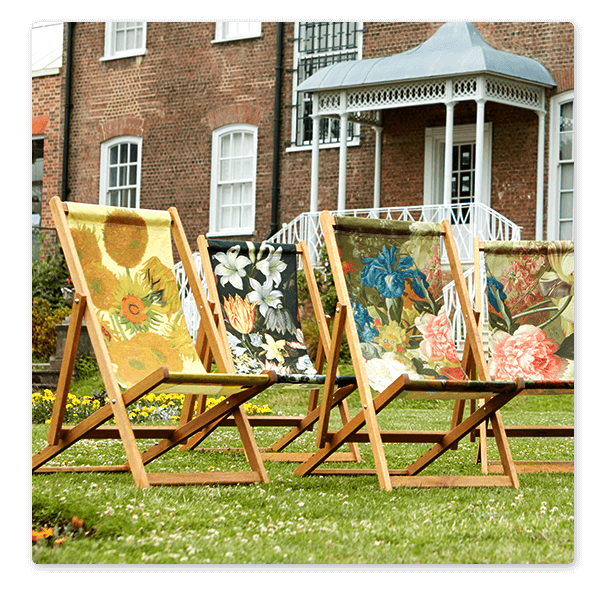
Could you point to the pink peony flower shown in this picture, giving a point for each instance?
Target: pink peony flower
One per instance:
(437, 341)
(529, 353)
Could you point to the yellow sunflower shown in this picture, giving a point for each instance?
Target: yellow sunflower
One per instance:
(87, 246)
(141, 355)
(102, 284)
(125, 237)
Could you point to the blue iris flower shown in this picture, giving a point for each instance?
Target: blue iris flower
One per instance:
(495, 290)
(388, 278)
(364, 322)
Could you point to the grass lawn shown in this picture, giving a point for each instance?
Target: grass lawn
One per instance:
(103, 518)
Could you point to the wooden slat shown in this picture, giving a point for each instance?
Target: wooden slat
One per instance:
(535, 467)
(211, 478)
(540, 431)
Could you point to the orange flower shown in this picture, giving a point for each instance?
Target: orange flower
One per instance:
(133, 309)
(241, 313)
(46, 532)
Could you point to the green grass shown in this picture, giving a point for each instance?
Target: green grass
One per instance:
(313, 519)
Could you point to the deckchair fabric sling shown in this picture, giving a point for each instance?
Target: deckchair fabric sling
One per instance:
(254, 288)
(530, 301)
(121, 265)
(388, 274)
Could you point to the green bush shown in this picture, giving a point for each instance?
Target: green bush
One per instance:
(49, 273)
(44, 319)
(329, 301)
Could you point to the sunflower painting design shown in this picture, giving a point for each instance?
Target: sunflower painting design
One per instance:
(256, 283)
(397, 303)
(127, 261)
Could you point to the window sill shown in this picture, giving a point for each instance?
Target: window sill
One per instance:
(123, 55)
(230, 233)
(236, 39)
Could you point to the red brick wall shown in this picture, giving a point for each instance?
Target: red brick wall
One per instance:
(174, 97)
(186, 86)
(46, 101)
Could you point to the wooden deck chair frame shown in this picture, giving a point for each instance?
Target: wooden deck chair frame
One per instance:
(296, 425)
(537, 387)
(496, 395)
(237, 388)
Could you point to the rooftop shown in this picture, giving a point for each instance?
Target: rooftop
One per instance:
(456, 48)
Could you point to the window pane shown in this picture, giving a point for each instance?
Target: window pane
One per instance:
(114, 155)
(225, 146)
(133, 152)
(132, 174)
(112, 177)
(566, 230)
(566, 146)
(225, 174)
(123, 153)
(566, 205)
(566, 117)
(566, 176)
(247, 168)
(248, 145)
(237, 144)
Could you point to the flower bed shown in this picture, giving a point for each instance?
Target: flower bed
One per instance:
(151, 408)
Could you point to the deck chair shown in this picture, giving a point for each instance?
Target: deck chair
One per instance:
(121, 265)
(529, 293)
(253, 286)
(387, 275)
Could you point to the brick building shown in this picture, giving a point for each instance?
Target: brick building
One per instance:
(208, 117)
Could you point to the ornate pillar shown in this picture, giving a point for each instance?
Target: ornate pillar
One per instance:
(539, 195)
(314, 167)
(377, 183)
(341, 205)
(448, 153)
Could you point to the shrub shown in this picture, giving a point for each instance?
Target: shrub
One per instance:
(49, 273)
(328, 300)
(44, 319)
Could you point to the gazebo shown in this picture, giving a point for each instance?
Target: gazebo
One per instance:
(455, 65)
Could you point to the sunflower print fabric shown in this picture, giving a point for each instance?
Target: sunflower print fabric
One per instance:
(257, 288)
(393, 275)
(127, 261)
(530, 293)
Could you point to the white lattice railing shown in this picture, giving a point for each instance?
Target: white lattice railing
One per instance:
(469, 220)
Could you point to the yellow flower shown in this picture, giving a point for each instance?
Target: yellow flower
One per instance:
(125, 237)
(392, 337)
(240, 312)
(273, 348)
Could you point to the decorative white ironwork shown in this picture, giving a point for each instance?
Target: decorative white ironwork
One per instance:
(415, 93)
(516, 94)
(468, 220)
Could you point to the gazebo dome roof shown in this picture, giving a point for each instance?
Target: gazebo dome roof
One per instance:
(456, 48)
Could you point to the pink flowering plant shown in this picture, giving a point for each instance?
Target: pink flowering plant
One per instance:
(394, 283)
(530, 293)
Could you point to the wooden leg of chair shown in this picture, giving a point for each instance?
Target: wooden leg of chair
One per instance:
(134, 458)
(66, 369)
(345, 415)
(457, 416)
(249, 443)
(483, 446)
(503, 448)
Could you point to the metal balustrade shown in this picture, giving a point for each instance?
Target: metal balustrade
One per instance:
(468, 220)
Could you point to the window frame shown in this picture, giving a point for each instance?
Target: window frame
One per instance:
(105, 164)
(555, 163)
(222, 35)
(110, 51)
(215, 228)
(37, 138)
(297, 101)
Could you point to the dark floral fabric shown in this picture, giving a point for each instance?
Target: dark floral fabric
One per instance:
(257, 288)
